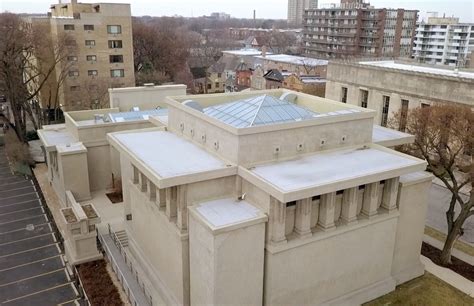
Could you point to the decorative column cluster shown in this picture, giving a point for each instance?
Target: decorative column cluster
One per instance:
(172, 200)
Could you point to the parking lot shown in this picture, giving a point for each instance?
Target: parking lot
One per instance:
(32, 270)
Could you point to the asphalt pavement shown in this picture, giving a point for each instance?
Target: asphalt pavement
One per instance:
(438, 204)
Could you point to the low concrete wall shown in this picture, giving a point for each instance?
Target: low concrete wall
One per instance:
(358, 260)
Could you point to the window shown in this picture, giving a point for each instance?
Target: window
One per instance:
(114, 29)
(292, 203)
(73, 73)
(88, 27)
(92, 72)
(423, 105)
(385, 107)
(403, 115)
(70, 42)
(72, 58)
(364, 98)
(90, 42)
(217, 84)
(116, 58)
(117, 73)
(115, 44)
(74, 88)
(219, 75)
(209, 86)
(91, 58)
(344, 94)
(68, 27)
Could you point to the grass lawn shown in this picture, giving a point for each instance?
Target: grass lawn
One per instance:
(426, 290)
(461, 246)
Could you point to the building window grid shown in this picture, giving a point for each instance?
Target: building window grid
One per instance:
(403, 115)
(364, 98)
(117, 73)
(385, 109)
(114, 29)
(344, 94)
(88, 27)
(90, 43)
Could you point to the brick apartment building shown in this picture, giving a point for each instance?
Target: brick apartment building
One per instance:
(357, 29)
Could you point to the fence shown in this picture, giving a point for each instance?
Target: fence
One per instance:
(116, 268)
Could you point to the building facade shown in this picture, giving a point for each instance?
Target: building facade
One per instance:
(356, 29)
(296, 10)
(390, 87)
(269, 193)
(99, 52)
(444, 41)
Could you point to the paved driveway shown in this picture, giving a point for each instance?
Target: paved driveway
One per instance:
(439, 199)
(32, 270)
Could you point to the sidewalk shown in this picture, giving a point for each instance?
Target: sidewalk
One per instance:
(448, 276)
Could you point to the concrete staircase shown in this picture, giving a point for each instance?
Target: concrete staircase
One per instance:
(122, 237)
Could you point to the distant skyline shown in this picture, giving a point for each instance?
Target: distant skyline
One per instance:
(268, 9)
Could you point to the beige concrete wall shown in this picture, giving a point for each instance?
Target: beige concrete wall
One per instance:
(226, 268)
(332, 267)
(74, 175)
(257, 148)
(144, 97)
(412, 203)
(100, 170)
(161, 251)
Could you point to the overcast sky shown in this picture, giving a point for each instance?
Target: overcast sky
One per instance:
(275, 9)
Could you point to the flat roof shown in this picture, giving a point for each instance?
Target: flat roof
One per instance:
(248, 51)
(56, 134)
(333, 170)
(418, 68)
(292, 59)
(227, 211)
(166, 154)
(389, 137)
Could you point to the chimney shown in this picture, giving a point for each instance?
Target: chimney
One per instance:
(264, 51)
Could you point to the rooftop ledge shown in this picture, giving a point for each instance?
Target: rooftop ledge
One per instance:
(328, 111)
(330, 171)
(168, 160)
(227, 214)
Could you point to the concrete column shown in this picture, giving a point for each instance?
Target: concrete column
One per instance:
(390, 193)
(369, 204)
(277, 221)
(151, 191)
(136, 174)
(303, 217)
(171, 207)
(142, 182)
(238, 186)
(182, 217)
(327, 207)
(161, 198)
(349, 205)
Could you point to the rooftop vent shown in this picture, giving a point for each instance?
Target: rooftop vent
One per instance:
(98, 118)
(193, 104)
(289, 97)
(135, 109)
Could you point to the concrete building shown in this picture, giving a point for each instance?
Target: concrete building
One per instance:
(77, 153)
(247, 190)
(296, 10)
(243, 190)
(357, 29)
(98, 40)
(444, 41)
(392, 86)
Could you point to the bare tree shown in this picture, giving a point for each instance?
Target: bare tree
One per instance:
(444, 137)
(160, 46)
(28, 59)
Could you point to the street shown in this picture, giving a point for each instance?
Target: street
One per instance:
(438, 203)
